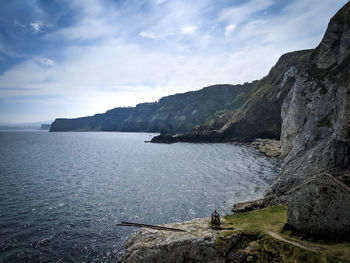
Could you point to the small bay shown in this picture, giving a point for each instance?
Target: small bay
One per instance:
(63, 193)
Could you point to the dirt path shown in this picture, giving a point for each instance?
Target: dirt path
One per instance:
(295, 243)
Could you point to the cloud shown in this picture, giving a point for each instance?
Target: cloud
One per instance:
(109, 57)
(294, 28)
(18, 24)
(239, 14)
(126, 68)
(45, 61)
(158, 2)
(8, 50)
(229, 28)
(36, 27)
(95, 22)
(188, 30)
(151, 35)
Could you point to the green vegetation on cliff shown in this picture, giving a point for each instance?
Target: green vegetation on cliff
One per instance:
(268, 242)
(175, 113)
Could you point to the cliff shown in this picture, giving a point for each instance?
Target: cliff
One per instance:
(45, 127)
(259, 116)
(175, 113)
(315, 134)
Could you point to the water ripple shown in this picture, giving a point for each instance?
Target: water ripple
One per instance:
(63, 193)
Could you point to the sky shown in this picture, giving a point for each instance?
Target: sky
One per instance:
(72, 58)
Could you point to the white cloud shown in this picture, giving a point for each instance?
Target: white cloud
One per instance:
(120, 70)
(151, 35)
(188, 30)
(229, 28)
(239, 14)
(45, 61)
(19, 24)
(35, 27)
(158, 2)
(127, 69)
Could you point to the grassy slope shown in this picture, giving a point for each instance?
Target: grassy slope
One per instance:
(266, 225)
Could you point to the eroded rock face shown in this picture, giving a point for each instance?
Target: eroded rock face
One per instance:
(316, 113)
(198, 244)
(320, 208)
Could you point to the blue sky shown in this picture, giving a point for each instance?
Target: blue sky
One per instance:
(70, 58)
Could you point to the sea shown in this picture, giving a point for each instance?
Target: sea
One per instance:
(62, 194)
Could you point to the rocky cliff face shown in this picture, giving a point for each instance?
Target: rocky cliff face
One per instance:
(175, 113)
(260, 116)
(316, 113)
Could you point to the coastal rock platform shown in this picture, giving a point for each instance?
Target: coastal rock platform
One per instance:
(198, 244)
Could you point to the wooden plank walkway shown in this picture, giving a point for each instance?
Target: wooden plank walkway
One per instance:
(151, 226)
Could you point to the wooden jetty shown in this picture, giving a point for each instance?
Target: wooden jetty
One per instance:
(151, 226)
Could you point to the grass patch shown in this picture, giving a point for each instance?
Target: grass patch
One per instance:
(259, 221)
(271, 250)
(266, 248)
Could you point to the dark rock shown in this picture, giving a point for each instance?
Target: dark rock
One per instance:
(163, 138)
(319, 208)
(249, 206)
(205, 136)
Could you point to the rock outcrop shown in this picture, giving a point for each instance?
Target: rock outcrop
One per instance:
(249, 206)
(316, 113)
(269, 147)
(320, 208)
(206, 136)
(197, 244)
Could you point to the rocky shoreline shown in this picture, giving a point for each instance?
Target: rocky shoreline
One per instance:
(197, 244)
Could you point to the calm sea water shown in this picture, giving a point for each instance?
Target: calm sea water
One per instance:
(61, 194)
